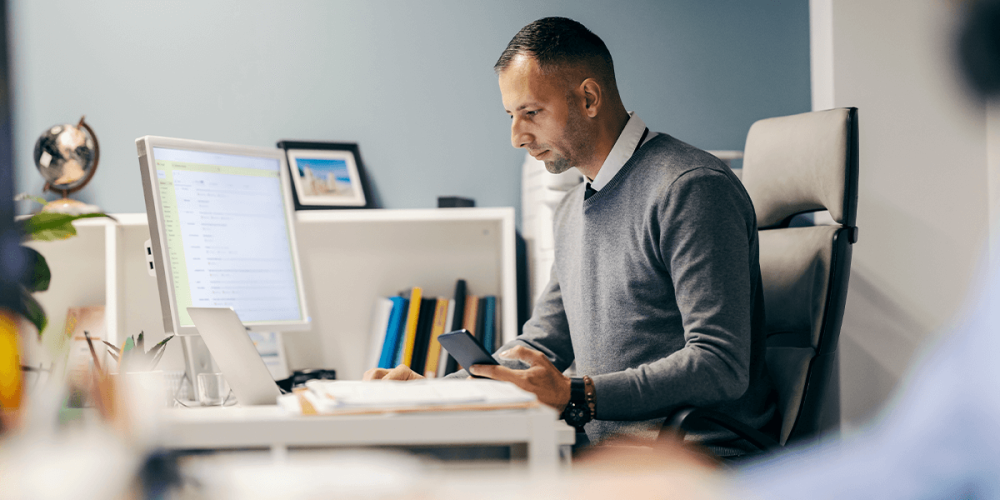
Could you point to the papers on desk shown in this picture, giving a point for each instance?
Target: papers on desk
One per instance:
(334, 397)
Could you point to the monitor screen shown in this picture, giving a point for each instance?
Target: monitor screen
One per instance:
(226, 232)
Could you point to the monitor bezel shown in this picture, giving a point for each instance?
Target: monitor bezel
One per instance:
(157, 230)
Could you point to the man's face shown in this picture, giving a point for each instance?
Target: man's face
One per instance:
(546, 118)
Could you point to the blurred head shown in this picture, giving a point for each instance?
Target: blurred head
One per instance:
(557, 82)
(979, 47)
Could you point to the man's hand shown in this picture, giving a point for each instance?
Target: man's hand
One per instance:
(543, 379)
(401, 372)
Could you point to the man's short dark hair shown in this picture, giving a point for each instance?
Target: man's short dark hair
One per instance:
(556, 42)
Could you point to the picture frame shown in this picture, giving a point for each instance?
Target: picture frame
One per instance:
(271, 348)
(327, 175)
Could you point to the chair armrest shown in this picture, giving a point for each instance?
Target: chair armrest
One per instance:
(676, 423)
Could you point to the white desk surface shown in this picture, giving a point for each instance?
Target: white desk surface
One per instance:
(271, 427)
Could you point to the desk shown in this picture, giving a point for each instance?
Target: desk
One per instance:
(269, 427)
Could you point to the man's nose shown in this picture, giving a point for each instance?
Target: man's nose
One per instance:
(519, 138)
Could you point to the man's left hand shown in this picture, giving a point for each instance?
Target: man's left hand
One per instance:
(542, 378)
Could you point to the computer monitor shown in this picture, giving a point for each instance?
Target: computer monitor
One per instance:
(222, 227)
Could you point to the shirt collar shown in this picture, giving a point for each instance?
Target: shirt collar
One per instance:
(621, 152)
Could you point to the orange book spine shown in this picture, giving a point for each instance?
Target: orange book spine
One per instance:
(434, 350)
(411, 325)
(471, 311)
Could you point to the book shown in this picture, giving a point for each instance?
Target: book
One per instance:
(379, 323)
(471, 314)
(481, 323)
(459, 298)
(444, 359)
(434, 347)
(391, 344)
(422, 339)
(457, 321)
(412, 316)
(397, 358)
(489, 324)
(469, 317)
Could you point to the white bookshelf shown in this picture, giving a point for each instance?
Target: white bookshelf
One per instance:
(349, 257)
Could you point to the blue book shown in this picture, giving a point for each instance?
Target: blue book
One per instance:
(391, 344)
(397, 354)
(489, 324)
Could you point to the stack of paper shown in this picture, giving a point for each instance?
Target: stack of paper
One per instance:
(349, 397)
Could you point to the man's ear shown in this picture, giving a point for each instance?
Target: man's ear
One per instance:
(593, 96)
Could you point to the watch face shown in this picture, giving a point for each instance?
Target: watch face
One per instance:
(577, 415)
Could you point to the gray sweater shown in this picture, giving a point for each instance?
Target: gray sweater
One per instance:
(656, 294)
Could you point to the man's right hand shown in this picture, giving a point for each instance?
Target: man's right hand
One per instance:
(401, 372)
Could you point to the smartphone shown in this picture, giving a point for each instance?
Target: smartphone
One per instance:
(466, 349)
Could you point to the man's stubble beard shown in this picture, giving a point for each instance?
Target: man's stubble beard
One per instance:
(557, 166)
(577, 139)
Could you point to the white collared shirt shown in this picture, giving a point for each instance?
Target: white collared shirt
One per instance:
(622, 151)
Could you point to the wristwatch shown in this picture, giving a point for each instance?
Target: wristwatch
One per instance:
(582, 403)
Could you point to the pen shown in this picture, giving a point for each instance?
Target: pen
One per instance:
(93, 353)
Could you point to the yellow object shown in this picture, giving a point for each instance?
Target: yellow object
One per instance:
(411, 325)
(10, 363)
(434, 350)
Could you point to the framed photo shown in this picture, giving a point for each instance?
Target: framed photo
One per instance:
(327, 175)
(272, 351)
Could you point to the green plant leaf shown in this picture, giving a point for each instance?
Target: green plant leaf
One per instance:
(156, 358)
(49, 226)
(163, 342)
(39, 277)
(45, 226)
(140, 342)
(32, 311)
(127, 356)
(155, 350)
(128, 345)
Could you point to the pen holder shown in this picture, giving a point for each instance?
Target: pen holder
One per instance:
(144, 390)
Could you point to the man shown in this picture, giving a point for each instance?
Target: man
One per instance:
(655, 292)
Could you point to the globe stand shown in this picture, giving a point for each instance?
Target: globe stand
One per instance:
(66, 205)
(70, 206)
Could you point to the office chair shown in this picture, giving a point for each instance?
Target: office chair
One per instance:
(796, 165)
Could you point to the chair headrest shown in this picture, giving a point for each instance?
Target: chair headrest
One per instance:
(803, 163)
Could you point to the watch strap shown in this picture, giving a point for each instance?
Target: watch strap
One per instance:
(590, 395)
(577, 390)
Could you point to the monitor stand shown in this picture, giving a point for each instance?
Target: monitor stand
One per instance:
(197, 360)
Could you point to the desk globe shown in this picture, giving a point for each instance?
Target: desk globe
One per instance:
(66, 155)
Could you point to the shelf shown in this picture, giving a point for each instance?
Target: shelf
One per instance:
(349, 258)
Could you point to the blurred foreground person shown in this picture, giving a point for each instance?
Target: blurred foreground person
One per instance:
(940, 438)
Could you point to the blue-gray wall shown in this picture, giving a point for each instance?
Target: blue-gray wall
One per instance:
(412, 82)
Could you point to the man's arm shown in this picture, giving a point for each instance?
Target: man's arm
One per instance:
(547, 331)
(704, 244)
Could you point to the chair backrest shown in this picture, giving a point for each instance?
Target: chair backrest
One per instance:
(793, 165)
